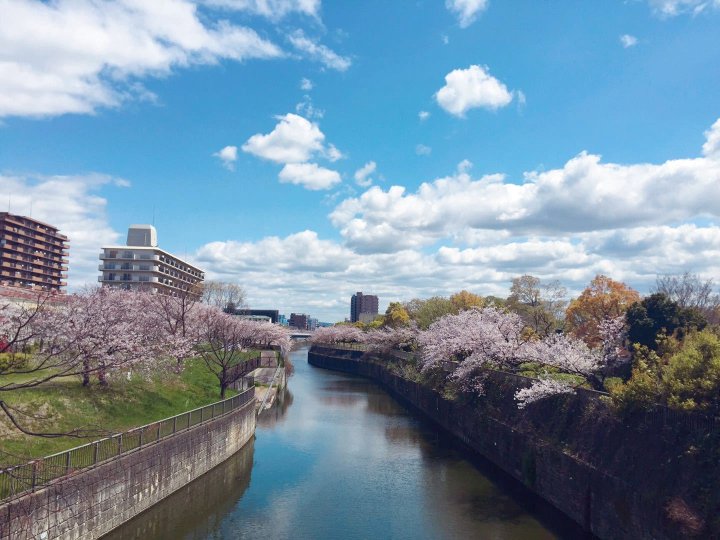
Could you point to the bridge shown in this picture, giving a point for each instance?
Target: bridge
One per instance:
(300, 334)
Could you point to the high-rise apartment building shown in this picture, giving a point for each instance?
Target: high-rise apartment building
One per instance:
(142, 265)
(33, 254)
(299, 321)
(363, 307)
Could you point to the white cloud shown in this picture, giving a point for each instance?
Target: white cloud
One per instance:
(362, 175)
(627, 41)
(466, 11)
(472, 88)
(272, 9)
(72, 204)
(228, 156)
(584, 195)
(318, 52)
(423, 115)
(309, 175)
(629, 221)
(307, 109)
(294, 139)
(75, 56)
(306, 84)
(331, 153)
(671, 8)
(445, 39)
(422, 150)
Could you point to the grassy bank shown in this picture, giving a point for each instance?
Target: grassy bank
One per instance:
(65, 405)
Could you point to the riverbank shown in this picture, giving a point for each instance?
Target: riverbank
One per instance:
(615, 479)
(66, 405)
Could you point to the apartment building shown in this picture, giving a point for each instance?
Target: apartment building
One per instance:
(141, 264)
(299, 321)
(363, 307)
(33, 255)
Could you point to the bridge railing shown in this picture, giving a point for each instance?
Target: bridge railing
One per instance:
(20, 479)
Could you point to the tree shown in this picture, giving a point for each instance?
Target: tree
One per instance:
(340, 333)
(388, 339)
(424, 312)
(691, 292)
(658, 314)
(223, 295)
(540, 304)
(688, 378)
(602, 299)
(396, 315)
(476, 340)
(465, 300)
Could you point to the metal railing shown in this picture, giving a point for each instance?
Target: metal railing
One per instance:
(20, 479)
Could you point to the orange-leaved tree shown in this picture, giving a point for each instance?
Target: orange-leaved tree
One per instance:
(603, 299)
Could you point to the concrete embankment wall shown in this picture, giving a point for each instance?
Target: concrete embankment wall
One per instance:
(94, 501)
(614, 480)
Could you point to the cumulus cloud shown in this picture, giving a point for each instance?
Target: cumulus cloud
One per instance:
(472, 88)
(309, 175)
(308, 109)
(294, 139)
(272, 9)
(319, 52)
(466, 11)
(77, 56)
(362, 175)
(422, 150)
(306, 84)
(72, 204)
(423, 115)
(627, 41)
(629, 221)
(584, 195)
(228, 156)
(671, 8)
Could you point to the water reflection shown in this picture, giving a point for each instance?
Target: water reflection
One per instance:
(339, 458)
(194, 511)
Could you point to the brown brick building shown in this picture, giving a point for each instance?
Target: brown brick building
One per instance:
(33, 254)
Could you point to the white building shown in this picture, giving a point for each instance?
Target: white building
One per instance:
(142, 265)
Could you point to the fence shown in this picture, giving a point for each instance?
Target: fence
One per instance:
(20, 479)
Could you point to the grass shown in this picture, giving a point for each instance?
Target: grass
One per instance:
(65, 404)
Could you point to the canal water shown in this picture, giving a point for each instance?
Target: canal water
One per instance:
(339, 458)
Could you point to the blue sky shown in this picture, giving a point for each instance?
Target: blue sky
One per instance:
(401, 148)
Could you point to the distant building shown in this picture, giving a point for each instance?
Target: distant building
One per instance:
(312, 323)
(363, 307)
(299, 321)
(282, 320)
(142, 265)
(273, 314)
(256, 318)
(33, 254)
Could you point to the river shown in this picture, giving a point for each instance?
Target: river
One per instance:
(339, 458)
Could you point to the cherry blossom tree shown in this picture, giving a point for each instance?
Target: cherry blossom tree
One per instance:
(474, 340)
(392, 338)
(340, 333)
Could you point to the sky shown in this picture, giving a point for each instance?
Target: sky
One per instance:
(309, 149)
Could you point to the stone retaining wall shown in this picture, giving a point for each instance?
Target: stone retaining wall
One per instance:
(613, 478)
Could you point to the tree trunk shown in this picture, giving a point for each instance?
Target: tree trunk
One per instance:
(86, 373)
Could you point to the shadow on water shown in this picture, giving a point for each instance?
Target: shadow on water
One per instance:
(194, 511)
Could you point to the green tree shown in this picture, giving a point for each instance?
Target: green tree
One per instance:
(692, 376)
(425, 312)
(658, 314)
